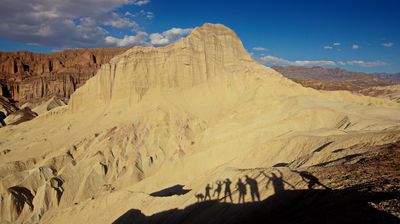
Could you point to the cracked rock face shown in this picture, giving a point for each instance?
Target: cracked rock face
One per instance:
(183, 115)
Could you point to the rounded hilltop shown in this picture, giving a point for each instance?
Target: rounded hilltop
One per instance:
(208, 33)
(210, 54)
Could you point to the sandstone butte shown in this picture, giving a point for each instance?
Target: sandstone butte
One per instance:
(188, 114)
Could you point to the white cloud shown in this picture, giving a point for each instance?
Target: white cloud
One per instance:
(141, 2)
(129, 14)
(143, 39)
(44, 31)
(387, 44)
(332, 46)
(169, 36)
(272, 60)
(149, 15)
(146, 14)
(158, 39)
(118, 22)
(366, 64)
(63, 24)
(260, 49)
(355, 46)
(139, 39)
(142, 13)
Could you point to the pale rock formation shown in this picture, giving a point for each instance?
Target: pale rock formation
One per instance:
(50, 104)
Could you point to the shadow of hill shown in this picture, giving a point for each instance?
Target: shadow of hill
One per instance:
(173, 190)
(295, 206)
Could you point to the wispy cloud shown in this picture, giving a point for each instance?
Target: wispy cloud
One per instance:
(129, 14)
(141, 2)
(142, 13)
(332, 46)
(260, 49)
(387, 44)
(139, 39)
(355, 46)
(365, 64)
(272, 60)
(169, 36)
(119, 22)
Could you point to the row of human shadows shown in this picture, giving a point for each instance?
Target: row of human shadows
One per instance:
(275, 178)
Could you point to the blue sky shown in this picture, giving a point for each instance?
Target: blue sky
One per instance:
(360, 35)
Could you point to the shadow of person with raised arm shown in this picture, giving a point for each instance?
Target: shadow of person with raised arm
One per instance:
(207, 192)
(242, 191)
(277, 182)
(255, 194)
(310, 179)
(228, 192)
(218, 189)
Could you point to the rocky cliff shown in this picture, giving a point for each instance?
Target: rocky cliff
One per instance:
(32, 77)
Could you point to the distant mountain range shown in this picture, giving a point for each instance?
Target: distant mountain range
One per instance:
(388, 76)
(337, 78)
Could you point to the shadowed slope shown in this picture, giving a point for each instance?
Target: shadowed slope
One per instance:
(293, 206)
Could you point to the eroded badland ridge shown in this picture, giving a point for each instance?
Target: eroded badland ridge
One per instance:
(32, 77)
(154, 126)
(33, 83)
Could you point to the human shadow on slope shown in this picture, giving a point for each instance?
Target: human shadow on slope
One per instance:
(227, 192)
(290, 206)
(207, 191)
(310, 179)
(278, 183)
(254, 192)
(241, 187)
(218, 189)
